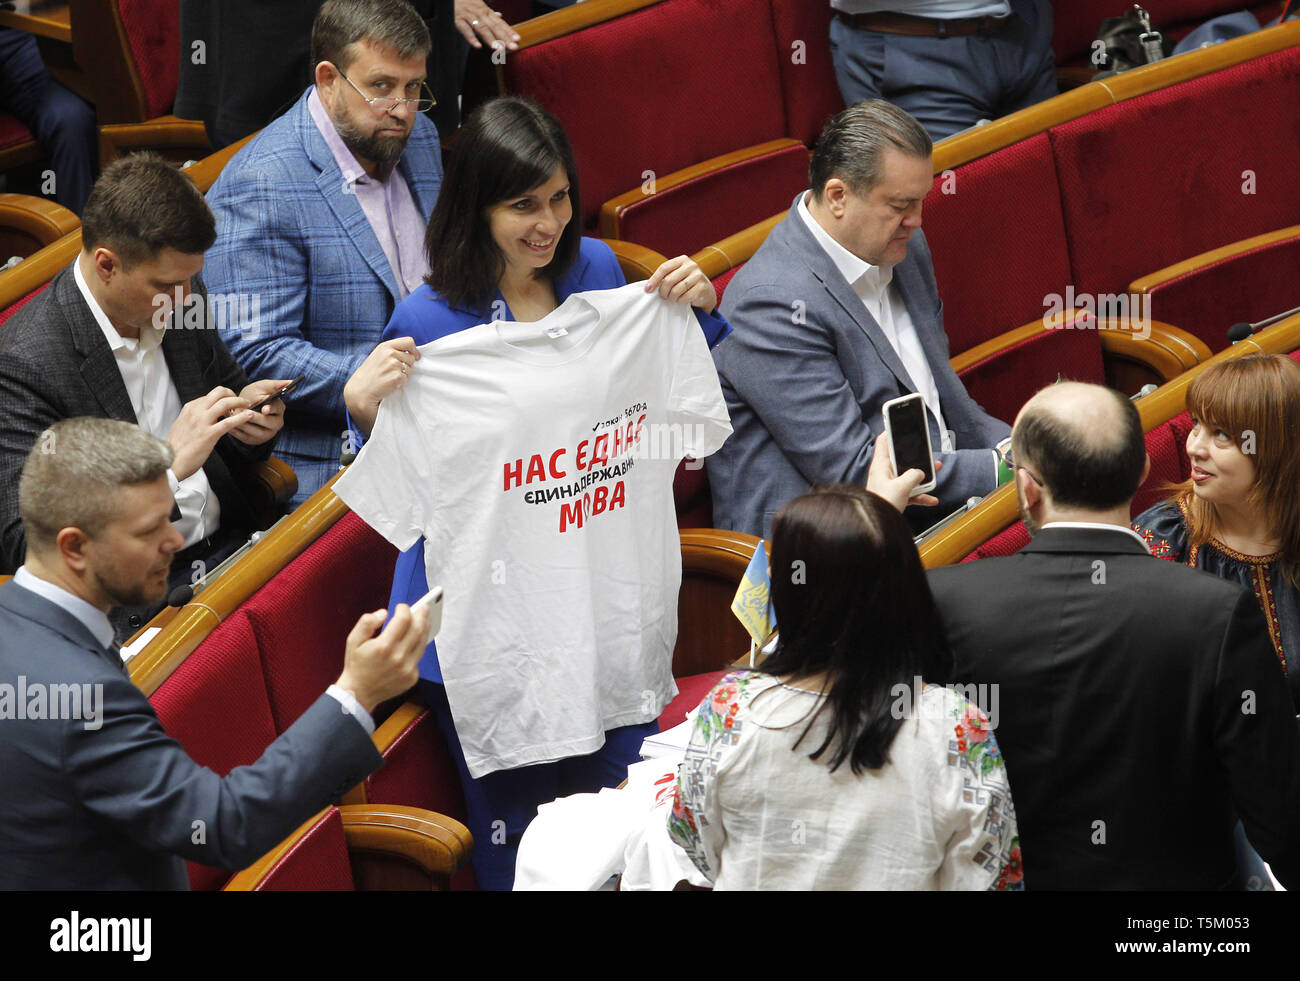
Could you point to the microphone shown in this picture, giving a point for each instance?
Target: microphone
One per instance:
(183, 594)
(1240, 331)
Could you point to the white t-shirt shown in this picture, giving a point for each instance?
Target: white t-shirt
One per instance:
(537, 460)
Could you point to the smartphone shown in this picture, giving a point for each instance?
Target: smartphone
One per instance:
(431, 601)
(280, 394)
(908, 433)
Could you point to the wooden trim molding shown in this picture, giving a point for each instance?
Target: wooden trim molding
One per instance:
(739, 247)
(567, 20)
(36, 217)
(717, 550)
(184, 137)
(1206, 259)
(38, 268)
(611, 211)
(636, 261)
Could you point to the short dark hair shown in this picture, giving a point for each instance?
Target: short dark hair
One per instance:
(507, 147)
(852, 600)
(141, 205)
(1095, 469)
(853, 144)
(388, 23)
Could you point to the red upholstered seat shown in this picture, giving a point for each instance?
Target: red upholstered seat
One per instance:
(685, 217)
(13, 308)
(1248, 287)
(302, 616)
(720, 282)
(13, 132)
(690, 692)
(803, 50)
(153, 37)
(691, 496)
(1004, 381)
(215, 705)
(317, 862)
(997, 237)
(616, 77)
(1179, 171)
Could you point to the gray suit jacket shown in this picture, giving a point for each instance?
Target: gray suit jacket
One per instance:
(805, 373)
(114, 806)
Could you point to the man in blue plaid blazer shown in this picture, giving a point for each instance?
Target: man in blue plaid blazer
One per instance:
(320, 220)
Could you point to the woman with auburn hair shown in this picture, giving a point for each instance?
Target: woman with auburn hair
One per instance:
(1238, 517)
(837, 766)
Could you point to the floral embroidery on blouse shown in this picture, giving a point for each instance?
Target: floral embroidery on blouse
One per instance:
(985, 780)
(1161, 548)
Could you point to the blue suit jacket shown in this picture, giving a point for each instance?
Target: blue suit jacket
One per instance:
(424, 317)
(289, 234)
(806, 372)
(113, 806)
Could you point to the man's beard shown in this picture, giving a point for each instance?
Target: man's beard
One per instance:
(130, 595)
(377, 149)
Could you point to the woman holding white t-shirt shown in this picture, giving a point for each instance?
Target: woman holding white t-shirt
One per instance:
(502, 246)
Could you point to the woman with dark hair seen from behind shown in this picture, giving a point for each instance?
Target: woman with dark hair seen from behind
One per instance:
(837, 766)
(503, 245)
(1238, 516)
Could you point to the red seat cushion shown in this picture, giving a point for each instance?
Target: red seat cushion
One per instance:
(611, 85)
(691, 690)
(153, 37)
(13, 131)
(691, 496)
(13, 308)
(1249, 287)
(803, 52)
(720, 282)
(1132, 203)
(214, 704)
(317, 861)
(993, 273)
(302, 617)
(684, 218)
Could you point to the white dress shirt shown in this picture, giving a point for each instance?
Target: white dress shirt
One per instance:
(872, 284)
(157, 405)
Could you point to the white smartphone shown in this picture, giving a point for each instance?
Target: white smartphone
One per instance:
(431, 601)
(908, 433)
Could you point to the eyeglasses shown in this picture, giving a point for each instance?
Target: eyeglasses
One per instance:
(1005, 454)
(387, 103)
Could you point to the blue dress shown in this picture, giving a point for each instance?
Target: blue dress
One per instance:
(501, 804)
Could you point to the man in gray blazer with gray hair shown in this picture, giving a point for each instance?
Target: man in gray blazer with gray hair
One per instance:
(836, 314)
(93, 792)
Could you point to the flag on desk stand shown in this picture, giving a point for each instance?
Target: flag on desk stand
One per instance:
(753, 602)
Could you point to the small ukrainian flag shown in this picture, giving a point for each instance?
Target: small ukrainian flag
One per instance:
(753, 602)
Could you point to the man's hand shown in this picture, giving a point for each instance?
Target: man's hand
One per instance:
(881, 479)
(474, 17)
(201, 423)
(266, 422)
(384, 371)
(377, 668)
(682, 281)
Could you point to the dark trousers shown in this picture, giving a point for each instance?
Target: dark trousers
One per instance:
(61, 122)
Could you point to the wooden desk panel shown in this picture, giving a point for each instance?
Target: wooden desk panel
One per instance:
(47, 18)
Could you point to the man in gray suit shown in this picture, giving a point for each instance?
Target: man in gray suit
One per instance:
(93, 793)
(836, 314)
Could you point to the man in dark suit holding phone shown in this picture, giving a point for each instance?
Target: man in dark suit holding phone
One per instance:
(103, 340)
(1142, 710)
(93, 792)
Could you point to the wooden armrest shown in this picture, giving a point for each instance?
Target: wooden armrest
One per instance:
(175, 138)
(636, 261)
(206, 171)
(740, 247)
(567, 20)
(612, 210)
(389, 842)
(37, 218)
(385, 735)
(954, 542)
(38, 268)
(1214, 256)
(1133, 360)
(272, 483)
(1072, 76)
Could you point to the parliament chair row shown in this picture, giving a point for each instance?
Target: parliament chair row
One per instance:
(676, 180)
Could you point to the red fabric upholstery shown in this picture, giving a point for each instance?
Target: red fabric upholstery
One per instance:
(691, 690)
(317, 862)
(1008, 541)
(301, 617)
(803, 52)
(13, 132)
(1076, 21)
(154, 38)
(685, 218)
(1167, 448)
(1248, 287)
(691, 496)
(714, 44)
(418, 772)
(13, 308)
(720, 282)
(1003, 382)
(998, 241)
(215, 705)
(1132, 204)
